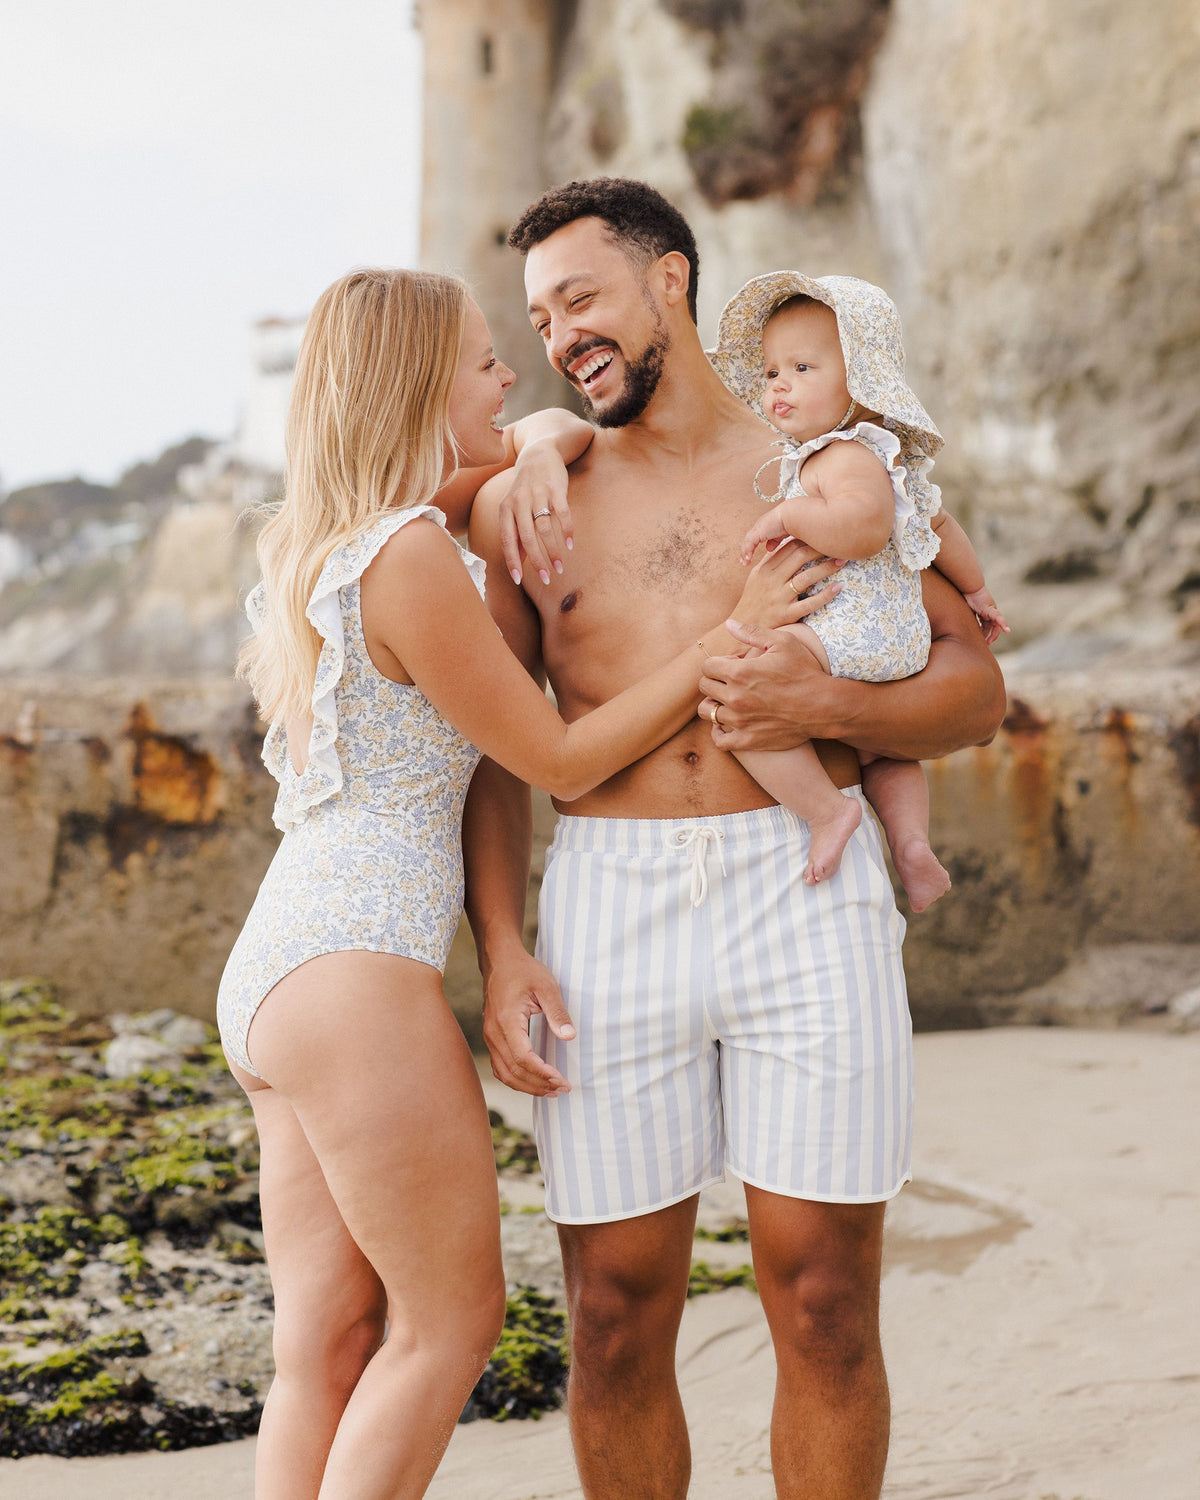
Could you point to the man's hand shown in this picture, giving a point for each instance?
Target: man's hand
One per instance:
(773, 699)
(512, 993)
(535, 520)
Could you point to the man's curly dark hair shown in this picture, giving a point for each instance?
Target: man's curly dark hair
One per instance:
(638, 217)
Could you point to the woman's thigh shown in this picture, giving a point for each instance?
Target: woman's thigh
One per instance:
(329, 1300)
(365, 1050)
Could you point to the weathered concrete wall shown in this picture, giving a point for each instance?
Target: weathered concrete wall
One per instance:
(135, 821)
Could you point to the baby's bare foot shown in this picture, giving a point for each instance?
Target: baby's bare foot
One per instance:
(828, 838)
(920, 873)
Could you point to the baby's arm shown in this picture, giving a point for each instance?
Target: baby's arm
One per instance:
(847, 509)
(957, 561)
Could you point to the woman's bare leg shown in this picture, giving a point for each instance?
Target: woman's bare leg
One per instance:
(899, 793)
(364, 1049)
(797, 780)
(330, 1306)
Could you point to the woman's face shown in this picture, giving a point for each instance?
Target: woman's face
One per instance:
(477, 400)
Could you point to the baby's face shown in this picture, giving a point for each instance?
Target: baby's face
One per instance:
(804, 374)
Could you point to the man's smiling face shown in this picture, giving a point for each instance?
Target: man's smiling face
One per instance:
(599, 323)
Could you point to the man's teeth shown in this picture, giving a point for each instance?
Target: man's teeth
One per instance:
(597, 362)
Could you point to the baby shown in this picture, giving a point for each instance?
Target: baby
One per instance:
(822, 360)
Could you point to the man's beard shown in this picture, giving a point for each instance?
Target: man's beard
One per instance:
(641, 381)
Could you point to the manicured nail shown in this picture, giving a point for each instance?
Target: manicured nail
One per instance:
(557, 566)
(543, 575)
(570, 544)
(735, 624)
(516, 576)
(566, 1032)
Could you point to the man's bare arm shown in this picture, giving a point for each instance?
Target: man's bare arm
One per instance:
(497, 840)
(781, 698)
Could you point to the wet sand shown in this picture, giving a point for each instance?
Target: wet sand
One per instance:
(1041, 1305)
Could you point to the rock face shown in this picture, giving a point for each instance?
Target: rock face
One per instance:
(136, 819)
(1023, 181)
(139, 820)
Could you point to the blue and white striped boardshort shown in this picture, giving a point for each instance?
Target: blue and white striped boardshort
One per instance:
(727, 1014)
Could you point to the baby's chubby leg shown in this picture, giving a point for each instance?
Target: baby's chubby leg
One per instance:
(898, 792)
(797, 780)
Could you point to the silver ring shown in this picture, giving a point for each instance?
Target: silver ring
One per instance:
(538, 514)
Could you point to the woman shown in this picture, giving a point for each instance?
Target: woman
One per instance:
(384, 678)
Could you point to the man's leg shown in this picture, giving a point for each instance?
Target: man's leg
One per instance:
(626, 1288)
(817, 1266)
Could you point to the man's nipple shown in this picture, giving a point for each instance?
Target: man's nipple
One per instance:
(569, 601)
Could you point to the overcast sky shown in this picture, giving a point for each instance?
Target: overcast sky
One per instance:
(170, 172)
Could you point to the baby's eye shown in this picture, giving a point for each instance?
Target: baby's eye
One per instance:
(800, 368)
(770, 374)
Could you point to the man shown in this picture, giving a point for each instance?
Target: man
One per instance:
(727, 1014)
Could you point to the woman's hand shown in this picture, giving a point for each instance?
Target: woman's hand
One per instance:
(535, 520)
(786, 586)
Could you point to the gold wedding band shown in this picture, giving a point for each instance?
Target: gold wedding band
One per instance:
(538, 514)
(713, 715)
(798, 592)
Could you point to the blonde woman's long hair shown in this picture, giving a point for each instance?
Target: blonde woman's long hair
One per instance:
(368, 431)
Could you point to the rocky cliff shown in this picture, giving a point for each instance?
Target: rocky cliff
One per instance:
(1025, 180)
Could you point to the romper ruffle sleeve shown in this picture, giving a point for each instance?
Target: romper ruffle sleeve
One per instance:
(916, 499)
(322, 774)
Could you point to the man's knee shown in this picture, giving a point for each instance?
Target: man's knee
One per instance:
(617, 1328)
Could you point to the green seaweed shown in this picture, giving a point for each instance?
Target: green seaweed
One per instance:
(514, 1150)
(733, 1234)
(703, 1279)
(528, 1370)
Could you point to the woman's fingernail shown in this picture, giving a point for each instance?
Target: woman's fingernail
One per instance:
(516, 576)
(567, 1032)
(570, 544)
(543, 575)
(557, 566)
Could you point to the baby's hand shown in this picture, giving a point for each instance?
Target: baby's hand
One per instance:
(769, 528)
(987, 612)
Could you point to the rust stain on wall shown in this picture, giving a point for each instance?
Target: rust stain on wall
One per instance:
(171, 781)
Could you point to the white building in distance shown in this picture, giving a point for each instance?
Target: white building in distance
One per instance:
(274, 345)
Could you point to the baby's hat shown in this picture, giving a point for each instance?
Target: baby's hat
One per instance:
(869, 330)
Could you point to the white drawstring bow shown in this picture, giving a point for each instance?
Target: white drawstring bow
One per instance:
(698, 842)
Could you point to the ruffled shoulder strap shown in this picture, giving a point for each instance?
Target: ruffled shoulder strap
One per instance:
(916, 499)
(322, 774)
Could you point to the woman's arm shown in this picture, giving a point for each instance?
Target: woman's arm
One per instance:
(782, 698)
(538, 449)
(421, 604)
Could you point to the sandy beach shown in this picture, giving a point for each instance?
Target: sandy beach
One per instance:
(1041, 1304)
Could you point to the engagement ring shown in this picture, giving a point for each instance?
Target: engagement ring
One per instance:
(538, 514)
